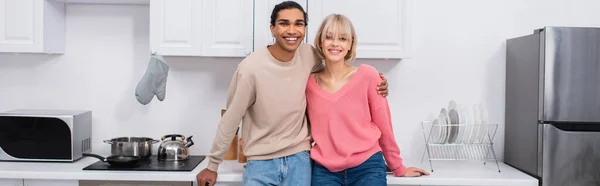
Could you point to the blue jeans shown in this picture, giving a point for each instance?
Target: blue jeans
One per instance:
(371, 172)
(293, 170)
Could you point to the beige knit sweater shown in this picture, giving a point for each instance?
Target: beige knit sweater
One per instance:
(268, 96)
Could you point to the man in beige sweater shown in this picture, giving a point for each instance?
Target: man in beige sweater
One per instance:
(267, 93)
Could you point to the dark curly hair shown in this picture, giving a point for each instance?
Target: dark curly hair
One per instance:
(287, 5)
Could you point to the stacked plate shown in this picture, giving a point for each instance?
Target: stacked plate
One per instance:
(459, 124)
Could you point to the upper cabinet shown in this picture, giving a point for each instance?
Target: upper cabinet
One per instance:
(126, 2)
(235, 28)
(175, 27)
(227, 27)
(214, 28)
(201, 28)
(262, 21)
(32, 26)
(383, 27)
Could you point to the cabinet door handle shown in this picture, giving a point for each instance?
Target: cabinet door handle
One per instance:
(248, 52)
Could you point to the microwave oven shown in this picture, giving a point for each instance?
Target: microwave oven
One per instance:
(45, 135)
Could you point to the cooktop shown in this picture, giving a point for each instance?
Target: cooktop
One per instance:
(151, 164)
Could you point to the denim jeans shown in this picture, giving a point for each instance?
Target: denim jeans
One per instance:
(293, 170)
(371, 172)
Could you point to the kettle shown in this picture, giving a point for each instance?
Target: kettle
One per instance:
(173, 149)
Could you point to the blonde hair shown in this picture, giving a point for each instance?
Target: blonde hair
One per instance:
(339, 25)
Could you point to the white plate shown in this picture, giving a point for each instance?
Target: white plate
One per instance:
(434, 135)
(454, 118)
(464, 129)
(452, 105)
(476, 122)
(470, 120)
(435, 132)
(443, 119)
(485, 119)
(444, 113)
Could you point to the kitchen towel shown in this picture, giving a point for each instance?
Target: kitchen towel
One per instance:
(154, 81)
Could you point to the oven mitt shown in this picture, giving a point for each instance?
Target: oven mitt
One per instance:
(154, 81)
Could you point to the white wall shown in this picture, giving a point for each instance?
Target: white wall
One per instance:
(106, 55)
(458, 54)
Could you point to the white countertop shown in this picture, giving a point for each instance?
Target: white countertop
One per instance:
(74, 171)
(467, 173)
(445, 173)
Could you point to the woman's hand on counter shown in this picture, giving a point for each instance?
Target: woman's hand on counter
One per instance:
(415, 172)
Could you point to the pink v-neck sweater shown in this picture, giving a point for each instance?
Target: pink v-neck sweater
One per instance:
(352, 124)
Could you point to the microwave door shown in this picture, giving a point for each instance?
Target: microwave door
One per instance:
(37, 139)
(571, 82)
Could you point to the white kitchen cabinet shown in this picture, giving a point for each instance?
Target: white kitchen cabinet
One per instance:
(262, 21)
(36, 182)
(235, 28)
(383, 27)
(228, 184)
(227, 28)
(125, 2)
(11, 182)
(133, 183)
(175, 27)
(32, 26)
(221, 28)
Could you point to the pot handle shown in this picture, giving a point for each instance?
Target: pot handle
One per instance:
(173, 137)
(108, 141)
(95, 156)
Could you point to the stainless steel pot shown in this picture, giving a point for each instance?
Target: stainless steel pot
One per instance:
(131, 146)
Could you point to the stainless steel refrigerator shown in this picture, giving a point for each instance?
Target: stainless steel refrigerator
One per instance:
(552, 128)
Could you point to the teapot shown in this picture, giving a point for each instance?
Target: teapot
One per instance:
(173, 149)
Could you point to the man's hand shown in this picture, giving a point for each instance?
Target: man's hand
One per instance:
(383, 86)
(206, 177)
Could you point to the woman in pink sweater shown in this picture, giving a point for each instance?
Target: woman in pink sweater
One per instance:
(350, 122)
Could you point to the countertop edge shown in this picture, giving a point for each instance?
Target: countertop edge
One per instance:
(231, 171)
(237, 177)
(114, 176)
(459, 181)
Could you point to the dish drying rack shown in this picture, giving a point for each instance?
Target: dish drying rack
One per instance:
(459, 142)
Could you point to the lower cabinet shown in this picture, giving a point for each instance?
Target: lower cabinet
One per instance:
(39, 182)
(36, 182)
(132, 183)
(11, 182)
(30, 182)
(227, 184)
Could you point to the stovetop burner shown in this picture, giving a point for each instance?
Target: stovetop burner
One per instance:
(170, 165)
(152, 164)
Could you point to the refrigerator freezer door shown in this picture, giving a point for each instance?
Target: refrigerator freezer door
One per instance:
(571, 155)
(571, 65)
